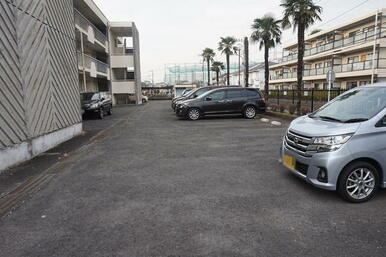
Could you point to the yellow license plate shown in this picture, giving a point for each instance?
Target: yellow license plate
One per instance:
(289, 161)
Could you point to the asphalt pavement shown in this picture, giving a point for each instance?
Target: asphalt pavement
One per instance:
(155, 185)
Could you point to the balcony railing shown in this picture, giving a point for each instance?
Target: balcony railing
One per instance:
(349, 67)
(100, 66)
(359, 38)
(84, 23)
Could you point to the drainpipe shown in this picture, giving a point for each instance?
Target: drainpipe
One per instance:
(374, 48)
(83, 62)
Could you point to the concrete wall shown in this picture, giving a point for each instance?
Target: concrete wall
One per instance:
(137, 64)
(39, 96)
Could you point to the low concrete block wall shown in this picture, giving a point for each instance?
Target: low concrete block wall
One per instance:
(27, 150)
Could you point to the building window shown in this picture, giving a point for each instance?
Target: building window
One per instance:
(328, 64)
(368, 29)
(363, 83)
(352, 84)
(353, 59)
(352, 34)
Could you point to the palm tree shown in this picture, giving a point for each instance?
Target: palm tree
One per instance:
(208, 55)
(227, 47)
(300, 14)
(267, 32)
(217, 67)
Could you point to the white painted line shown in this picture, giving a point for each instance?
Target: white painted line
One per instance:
(264, 120)
(276, 123)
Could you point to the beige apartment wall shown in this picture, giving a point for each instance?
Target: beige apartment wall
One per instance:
(346, 33)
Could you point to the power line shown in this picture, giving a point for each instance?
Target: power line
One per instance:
(327, 22)
(333, 19)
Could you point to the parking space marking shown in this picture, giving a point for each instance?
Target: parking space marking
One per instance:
(264, 120)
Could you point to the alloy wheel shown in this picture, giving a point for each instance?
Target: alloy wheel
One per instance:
(360, 183)
(194, 114)
(250, 112)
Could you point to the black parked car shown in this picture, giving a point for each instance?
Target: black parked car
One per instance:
(246, 101)
(194, 94)
(98, 103)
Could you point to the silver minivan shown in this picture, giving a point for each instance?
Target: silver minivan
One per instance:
(342, 146)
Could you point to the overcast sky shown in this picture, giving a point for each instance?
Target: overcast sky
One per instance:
(176, 31)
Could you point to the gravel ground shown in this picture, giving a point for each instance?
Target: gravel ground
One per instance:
(160, 186)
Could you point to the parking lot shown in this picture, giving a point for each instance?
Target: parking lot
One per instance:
(156, 185)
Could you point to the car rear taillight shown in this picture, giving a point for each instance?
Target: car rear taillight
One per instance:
(263, 100)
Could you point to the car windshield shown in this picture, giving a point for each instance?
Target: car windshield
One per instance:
(89, 96)
(356, 105)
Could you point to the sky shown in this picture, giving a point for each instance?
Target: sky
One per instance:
(176, 31)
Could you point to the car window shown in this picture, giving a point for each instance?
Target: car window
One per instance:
(199, 93)
(219, 95)
(235, 94)
(251, 93)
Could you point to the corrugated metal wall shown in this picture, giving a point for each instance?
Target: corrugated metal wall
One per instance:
(39, 88)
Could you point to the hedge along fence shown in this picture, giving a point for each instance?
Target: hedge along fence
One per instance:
(310, 97)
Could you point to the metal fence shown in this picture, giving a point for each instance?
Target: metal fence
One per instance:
(158, 93)
(311, 98)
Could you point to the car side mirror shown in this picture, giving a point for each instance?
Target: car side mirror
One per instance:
(102, 99)
(208, 99)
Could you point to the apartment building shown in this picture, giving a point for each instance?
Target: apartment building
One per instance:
(126, 83)
(50, 51)
(356, 51)
(39, 88)
(108, 54)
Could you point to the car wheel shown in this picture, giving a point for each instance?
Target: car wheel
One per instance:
(101, 114)
(250, 112)
(358, 182)
(194, 114)
(110, 112)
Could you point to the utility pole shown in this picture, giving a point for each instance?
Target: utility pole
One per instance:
(374, 49)
(239, 66)
(246, 61)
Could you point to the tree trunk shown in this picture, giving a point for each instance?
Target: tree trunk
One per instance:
(208, 63)
(246, 64)
(300, 86)
(218, 77)
(228, 70)
(266, 72)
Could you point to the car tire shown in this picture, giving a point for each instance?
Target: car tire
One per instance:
(194, 114)
(359, 182)
(101, 114)
(110, 112)
(249, 112)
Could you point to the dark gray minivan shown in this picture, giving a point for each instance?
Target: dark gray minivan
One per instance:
(230, 100)
(342, 146)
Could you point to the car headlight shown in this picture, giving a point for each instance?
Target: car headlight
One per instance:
(94, 106)
(332, 143)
